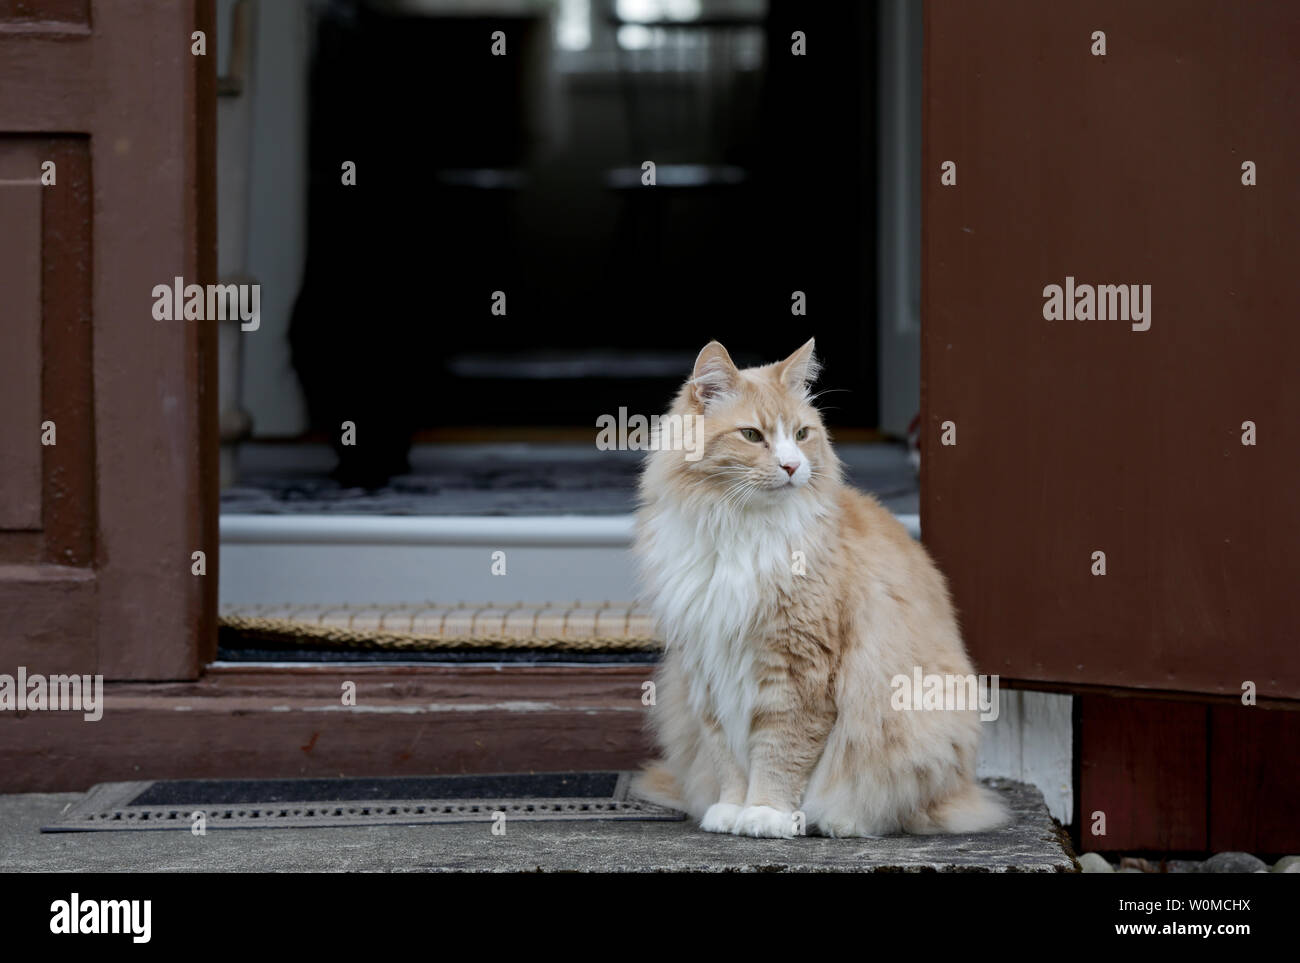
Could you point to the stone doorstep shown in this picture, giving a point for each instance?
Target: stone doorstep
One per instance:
(1033, 843)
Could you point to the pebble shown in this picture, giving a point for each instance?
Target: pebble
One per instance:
(1233, 863)
(1093, 863)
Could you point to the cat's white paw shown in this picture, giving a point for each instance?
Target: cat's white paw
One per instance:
(764, 821)
(720, 817)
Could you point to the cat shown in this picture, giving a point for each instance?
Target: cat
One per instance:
(788, 602)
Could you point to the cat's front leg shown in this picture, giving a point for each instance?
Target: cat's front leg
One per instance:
(721, 816)
(785, 741)
(771, 809)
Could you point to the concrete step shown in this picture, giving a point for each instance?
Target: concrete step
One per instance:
(1031, 844)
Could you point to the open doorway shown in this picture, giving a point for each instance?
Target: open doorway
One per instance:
(486, 265)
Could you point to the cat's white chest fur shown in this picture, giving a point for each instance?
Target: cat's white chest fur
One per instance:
(711, 582)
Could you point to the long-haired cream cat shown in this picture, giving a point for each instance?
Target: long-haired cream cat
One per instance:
(774, 693)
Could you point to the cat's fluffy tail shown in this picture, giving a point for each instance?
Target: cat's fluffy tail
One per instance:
(655, 783)
(971, 809)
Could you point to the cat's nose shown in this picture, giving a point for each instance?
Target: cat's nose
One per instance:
(790, 467)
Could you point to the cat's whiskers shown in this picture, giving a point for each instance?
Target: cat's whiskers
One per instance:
(735, 492)
(738, 494)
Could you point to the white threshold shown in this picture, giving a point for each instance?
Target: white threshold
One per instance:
(363, 559)
(594, 530)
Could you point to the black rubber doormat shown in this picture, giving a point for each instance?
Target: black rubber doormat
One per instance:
(312, 803)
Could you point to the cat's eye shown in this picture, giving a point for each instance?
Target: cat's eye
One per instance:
(801, 434)
(751, 434)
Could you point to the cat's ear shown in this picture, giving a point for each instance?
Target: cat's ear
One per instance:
(799, 370)
(715, 375)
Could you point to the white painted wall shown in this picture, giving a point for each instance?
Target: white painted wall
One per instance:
(1032, 741)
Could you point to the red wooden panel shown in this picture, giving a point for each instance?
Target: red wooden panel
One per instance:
(1254, 779)
(46, 491)
(47, 588)
(1081, 436)
(20, 335)
(1142, 764)
(67, 348)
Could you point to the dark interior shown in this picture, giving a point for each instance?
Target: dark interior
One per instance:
(466, 187)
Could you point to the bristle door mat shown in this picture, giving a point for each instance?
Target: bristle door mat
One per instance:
(317, 803)
(443, 632)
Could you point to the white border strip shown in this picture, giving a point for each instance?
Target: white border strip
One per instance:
(539, 530)
(592, 530)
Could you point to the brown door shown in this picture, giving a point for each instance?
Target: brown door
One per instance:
(105, 191)
(1166, 447)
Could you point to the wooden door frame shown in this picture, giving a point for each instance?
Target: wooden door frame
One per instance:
(101, 580)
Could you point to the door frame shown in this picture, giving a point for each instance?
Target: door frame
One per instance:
(102, 578)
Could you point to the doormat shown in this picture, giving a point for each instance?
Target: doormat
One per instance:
(392, 801)
(459, 631)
